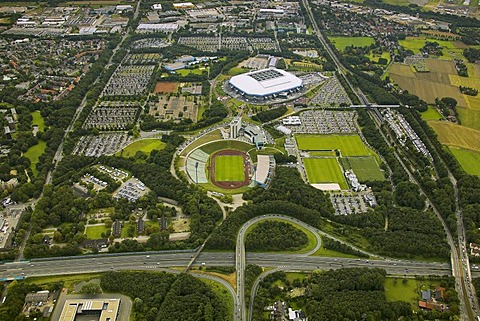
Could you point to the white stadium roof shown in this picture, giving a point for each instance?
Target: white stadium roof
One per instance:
(265, 82)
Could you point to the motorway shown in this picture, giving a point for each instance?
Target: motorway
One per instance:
(172, 259)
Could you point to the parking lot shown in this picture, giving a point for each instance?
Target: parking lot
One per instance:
(348, 204)
(325, 122)
(103, 144)
(115, 173)
(132, 190)
(331, 94)
(108, 118)
(129, 80)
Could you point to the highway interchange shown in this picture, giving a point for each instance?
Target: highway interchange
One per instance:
(172, 261)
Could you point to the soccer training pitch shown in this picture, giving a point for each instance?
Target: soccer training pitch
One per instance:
(366, 168)
(349, 145)
(229, 168)
(324, 170)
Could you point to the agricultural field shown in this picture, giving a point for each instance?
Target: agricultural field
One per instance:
(348, 145)
(469, 117)
(34, 153)
(324, 170)
(468, 159)
(431, 114)
(451, 49)
(455, 135)
(166, 87)
(366, 168)
(38, 120)
(143, 145)
(342, 42)
(229, 168)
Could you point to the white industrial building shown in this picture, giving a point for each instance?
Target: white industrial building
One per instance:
(266, 84)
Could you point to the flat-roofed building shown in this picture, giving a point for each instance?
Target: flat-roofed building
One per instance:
(101, 309)
(266, 84)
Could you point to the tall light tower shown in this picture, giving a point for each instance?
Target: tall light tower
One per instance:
(196, 173)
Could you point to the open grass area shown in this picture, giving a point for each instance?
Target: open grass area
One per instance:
(213, 135)
(324, 170)
(431, 114)
(455, 135)
(196, 71)
(95, 232)
(143, 145)
(348, 145)
(68, 280)
(229, 168)
(342, 42)
(366, 168)
(226, 144)
(468, 159)
(408, 290)
(237, 71)
(34, 153)
(38, 120)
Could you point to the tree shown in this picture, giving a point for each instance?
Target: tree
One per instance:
(91, 288)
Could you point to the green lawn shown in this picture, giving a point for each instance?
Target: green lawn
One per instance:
(38, 120)
(324, 170)
(431, 114)
(366, 168)
(125, 230)
(342, 42)
(468, 159)
(213, 135)
(229, 169)
(349, 145)
(186, 72)
(95, 232)
(226, 144)
(144, 145)
(69, 281)
(34, 153)
(409, 291)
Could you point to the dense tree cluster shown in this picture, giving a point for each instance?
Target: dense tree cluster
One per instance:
(472, 54)
(270, 114)
(333, 245)
(164, 296)
(275, 236)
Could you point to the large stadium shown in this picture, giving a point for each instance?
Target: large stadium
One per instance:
(266, 84)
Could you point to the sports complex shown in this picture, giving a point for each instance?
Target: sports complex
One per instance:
(229, 166)
(265, 84)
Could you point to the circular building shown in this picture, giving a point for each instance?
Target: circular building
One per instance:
(266, 84)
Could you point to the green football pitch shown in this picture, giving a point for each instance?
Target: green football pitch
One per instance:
(324, 170)
(349, 145)
(229, 168)
(366, 168)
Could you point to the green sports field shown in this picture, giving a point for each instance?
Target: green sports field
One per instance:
(366, 168)
(229, 168)
(324, 170)
(349, 145)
